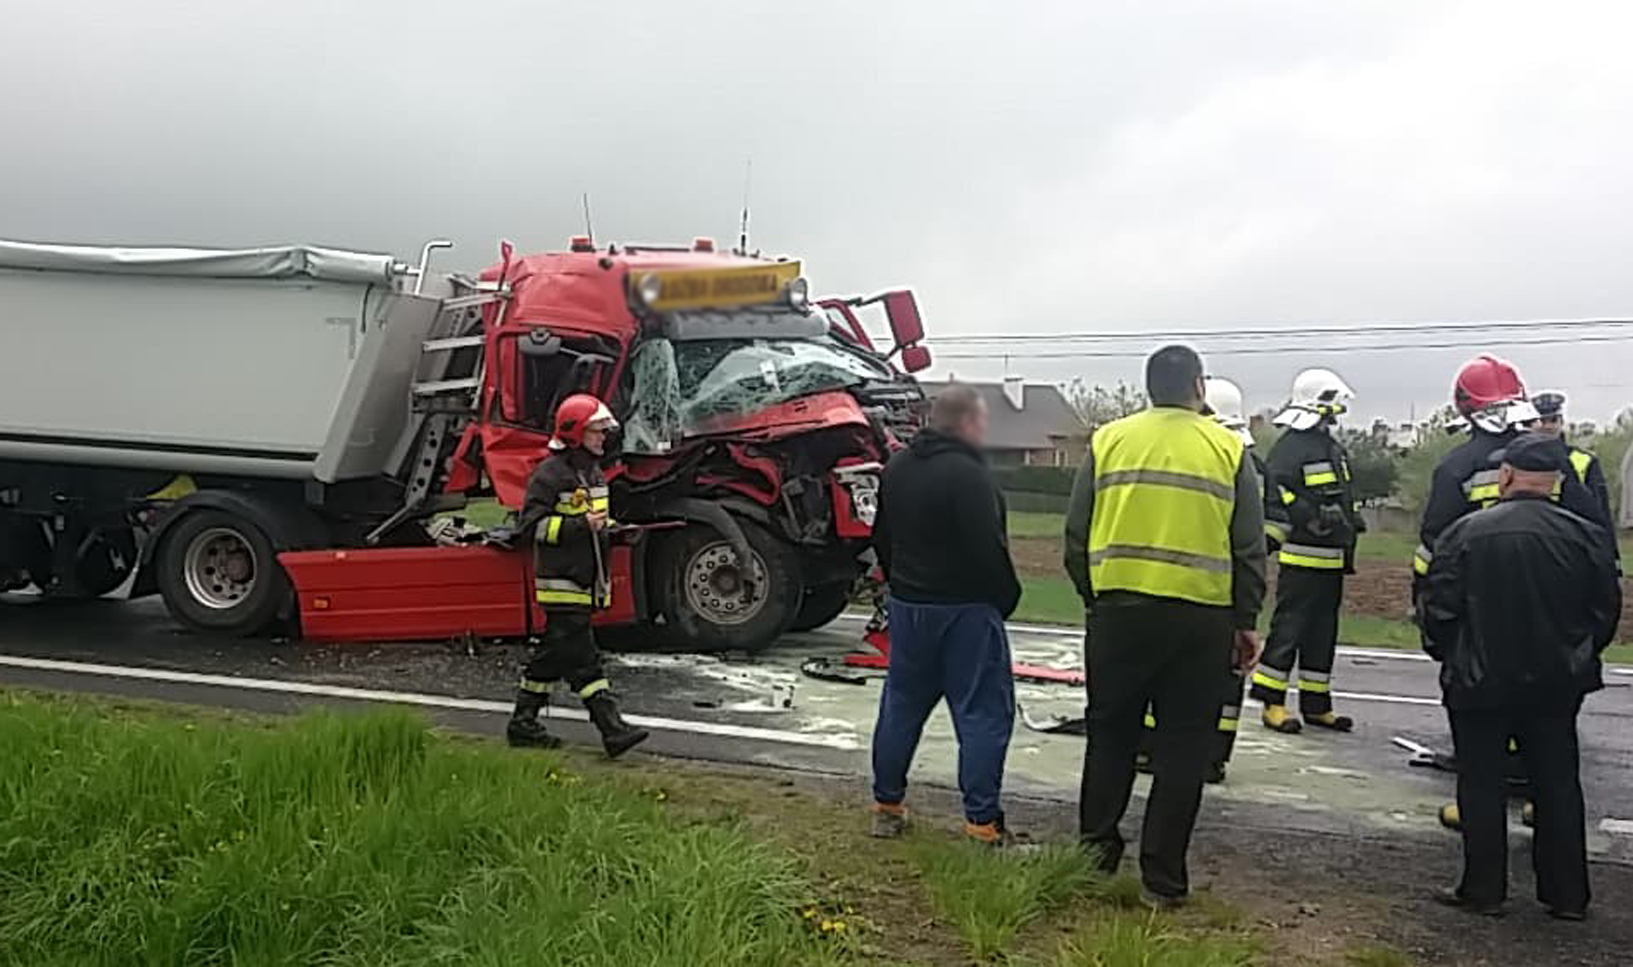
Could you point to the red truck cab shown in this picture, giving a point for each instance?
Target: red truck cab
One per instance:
(754, 423)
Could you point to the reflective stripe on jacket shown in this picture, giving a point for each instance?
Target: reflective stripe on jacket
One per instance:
(569, 559)
(1164, 491)
(1306, 471)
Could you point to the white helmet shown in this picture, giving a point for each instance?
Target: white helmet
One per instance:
(1224, 400)
(1318, 394)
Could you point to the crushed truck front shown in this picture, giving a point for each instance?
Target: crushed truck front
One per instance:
(757, 418)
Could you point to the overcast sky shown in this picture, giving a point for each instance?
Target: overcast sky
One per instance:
(1028, 167)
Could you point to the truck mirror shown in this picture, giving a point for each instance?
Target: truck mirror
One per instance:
(915, 359)
(540, 344)
(903, 312)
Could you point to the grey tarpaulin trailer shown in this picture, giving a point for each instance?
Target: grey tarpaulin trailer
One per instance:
(204, 360)
(272, 384)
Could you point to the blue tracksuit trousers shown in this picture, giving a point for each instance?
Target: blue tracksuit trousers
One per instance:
(959, 652)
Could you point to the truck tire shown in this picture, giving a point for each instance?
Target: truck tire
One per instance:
(703, 595)
(219, 573)
(821, 605)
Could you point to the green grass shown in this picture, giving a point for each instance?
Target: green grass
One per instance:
(1002, 904)
(357, 840)
(989, 903)
(1030, 524)
(1375, 955)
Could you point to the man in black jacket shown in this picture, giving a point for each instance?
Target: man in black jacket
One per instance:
(943, 543)
(1519, 602)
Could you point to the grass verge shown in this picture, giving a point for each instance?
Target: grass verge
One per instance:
(359, 839)
(132, 834)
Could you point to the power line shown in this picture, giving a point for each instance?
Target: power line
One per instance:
(1364, 329)
(1275, 350)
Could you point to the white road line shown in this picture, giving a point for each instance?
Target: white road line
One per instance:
(842, 742)
(1377, 654)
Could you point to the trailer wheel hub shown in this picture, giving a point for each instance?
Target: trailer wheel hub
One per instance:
(715, 588)
(219, 568)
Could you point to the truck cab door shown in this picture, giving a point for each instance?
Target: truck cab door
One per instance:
(537, 369)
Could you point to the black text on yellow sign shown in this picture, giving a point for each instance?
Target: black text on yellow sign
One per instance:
(719, 288)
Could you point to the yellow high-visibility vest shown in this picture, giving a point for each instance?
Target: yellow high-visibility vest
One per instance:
(1164, 494)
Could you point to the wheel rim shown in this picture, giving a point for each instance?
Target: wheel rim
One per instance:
(219, 568)
(715, 589)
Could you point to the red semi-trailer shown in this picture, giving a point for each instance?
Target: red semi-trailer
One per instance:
(754, 424)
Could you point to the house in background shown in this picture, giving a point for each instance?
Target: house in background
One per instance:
(1032, 424)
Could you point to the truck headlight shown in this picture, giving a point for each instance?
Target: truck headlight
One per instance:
(649, 289)
(798, 294)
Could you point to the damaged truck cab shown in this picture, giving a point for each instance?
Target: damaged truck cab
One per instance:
(278, 437)
(754, 420)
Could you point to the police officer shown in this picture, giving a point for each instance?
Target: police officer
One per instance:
(1165, 544)
(1550, 407)
(1222, 400)
(1308, 477)
(566, 512)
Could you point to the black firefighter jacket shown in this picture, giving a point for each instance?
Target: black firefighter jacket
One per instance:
(1520, 600)
(1309, 470)
(940, 532)
(569, 559)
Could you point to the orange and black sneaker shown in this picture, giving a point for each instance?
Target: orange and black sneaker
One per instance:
(994, 834)
(889, 820)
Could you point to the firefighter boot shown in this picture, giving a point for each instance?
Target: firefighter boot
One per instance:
(1330, 722)
(617, 736)
(1276, 719)
(1451, 817)
(524, 730)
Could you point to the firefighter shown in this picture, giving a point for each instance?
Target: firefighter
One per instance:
(1584, 464)
(1308, 478)
(1222, 400)
(1490, 397)
(567, 514)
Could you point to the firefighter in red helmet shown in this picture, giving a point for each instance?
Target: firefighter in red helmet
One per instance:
(567, 515)
(1490, 396)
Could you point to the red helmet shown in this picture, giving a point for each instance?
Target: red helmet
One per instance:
(1484, 382)
(578, 413)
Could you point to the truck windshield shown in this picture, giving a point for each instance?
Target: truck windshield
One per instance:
(680, 386)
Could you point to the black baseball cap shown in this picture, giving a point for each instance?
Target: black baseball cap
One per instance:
(1537, 452)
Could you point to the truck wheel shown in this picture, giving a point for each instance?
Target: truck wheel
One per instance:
(821, 605)
(705, 594)
(219, 573)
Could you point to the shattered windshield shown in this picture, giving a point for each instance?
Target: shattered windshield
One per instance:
(680, 386)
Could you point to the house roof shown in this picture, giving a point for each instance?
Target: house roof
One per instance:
(1038, 423)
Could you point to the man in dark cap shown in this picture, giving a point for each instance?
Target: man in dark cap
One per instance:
(1520, 600)
(1585, 465)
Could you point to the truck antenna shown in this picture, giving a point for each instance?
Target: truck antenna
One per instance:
(589, 227)
(742, 233)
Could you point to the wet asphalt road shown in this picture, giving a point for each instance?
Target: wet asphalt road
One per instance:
(1345, 804)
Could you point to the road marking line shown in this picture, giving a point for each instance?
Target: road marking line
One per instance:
(842, 742)
(1381, 654)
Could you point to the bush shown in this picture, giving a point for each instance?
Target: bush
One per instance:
(1036, 480)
